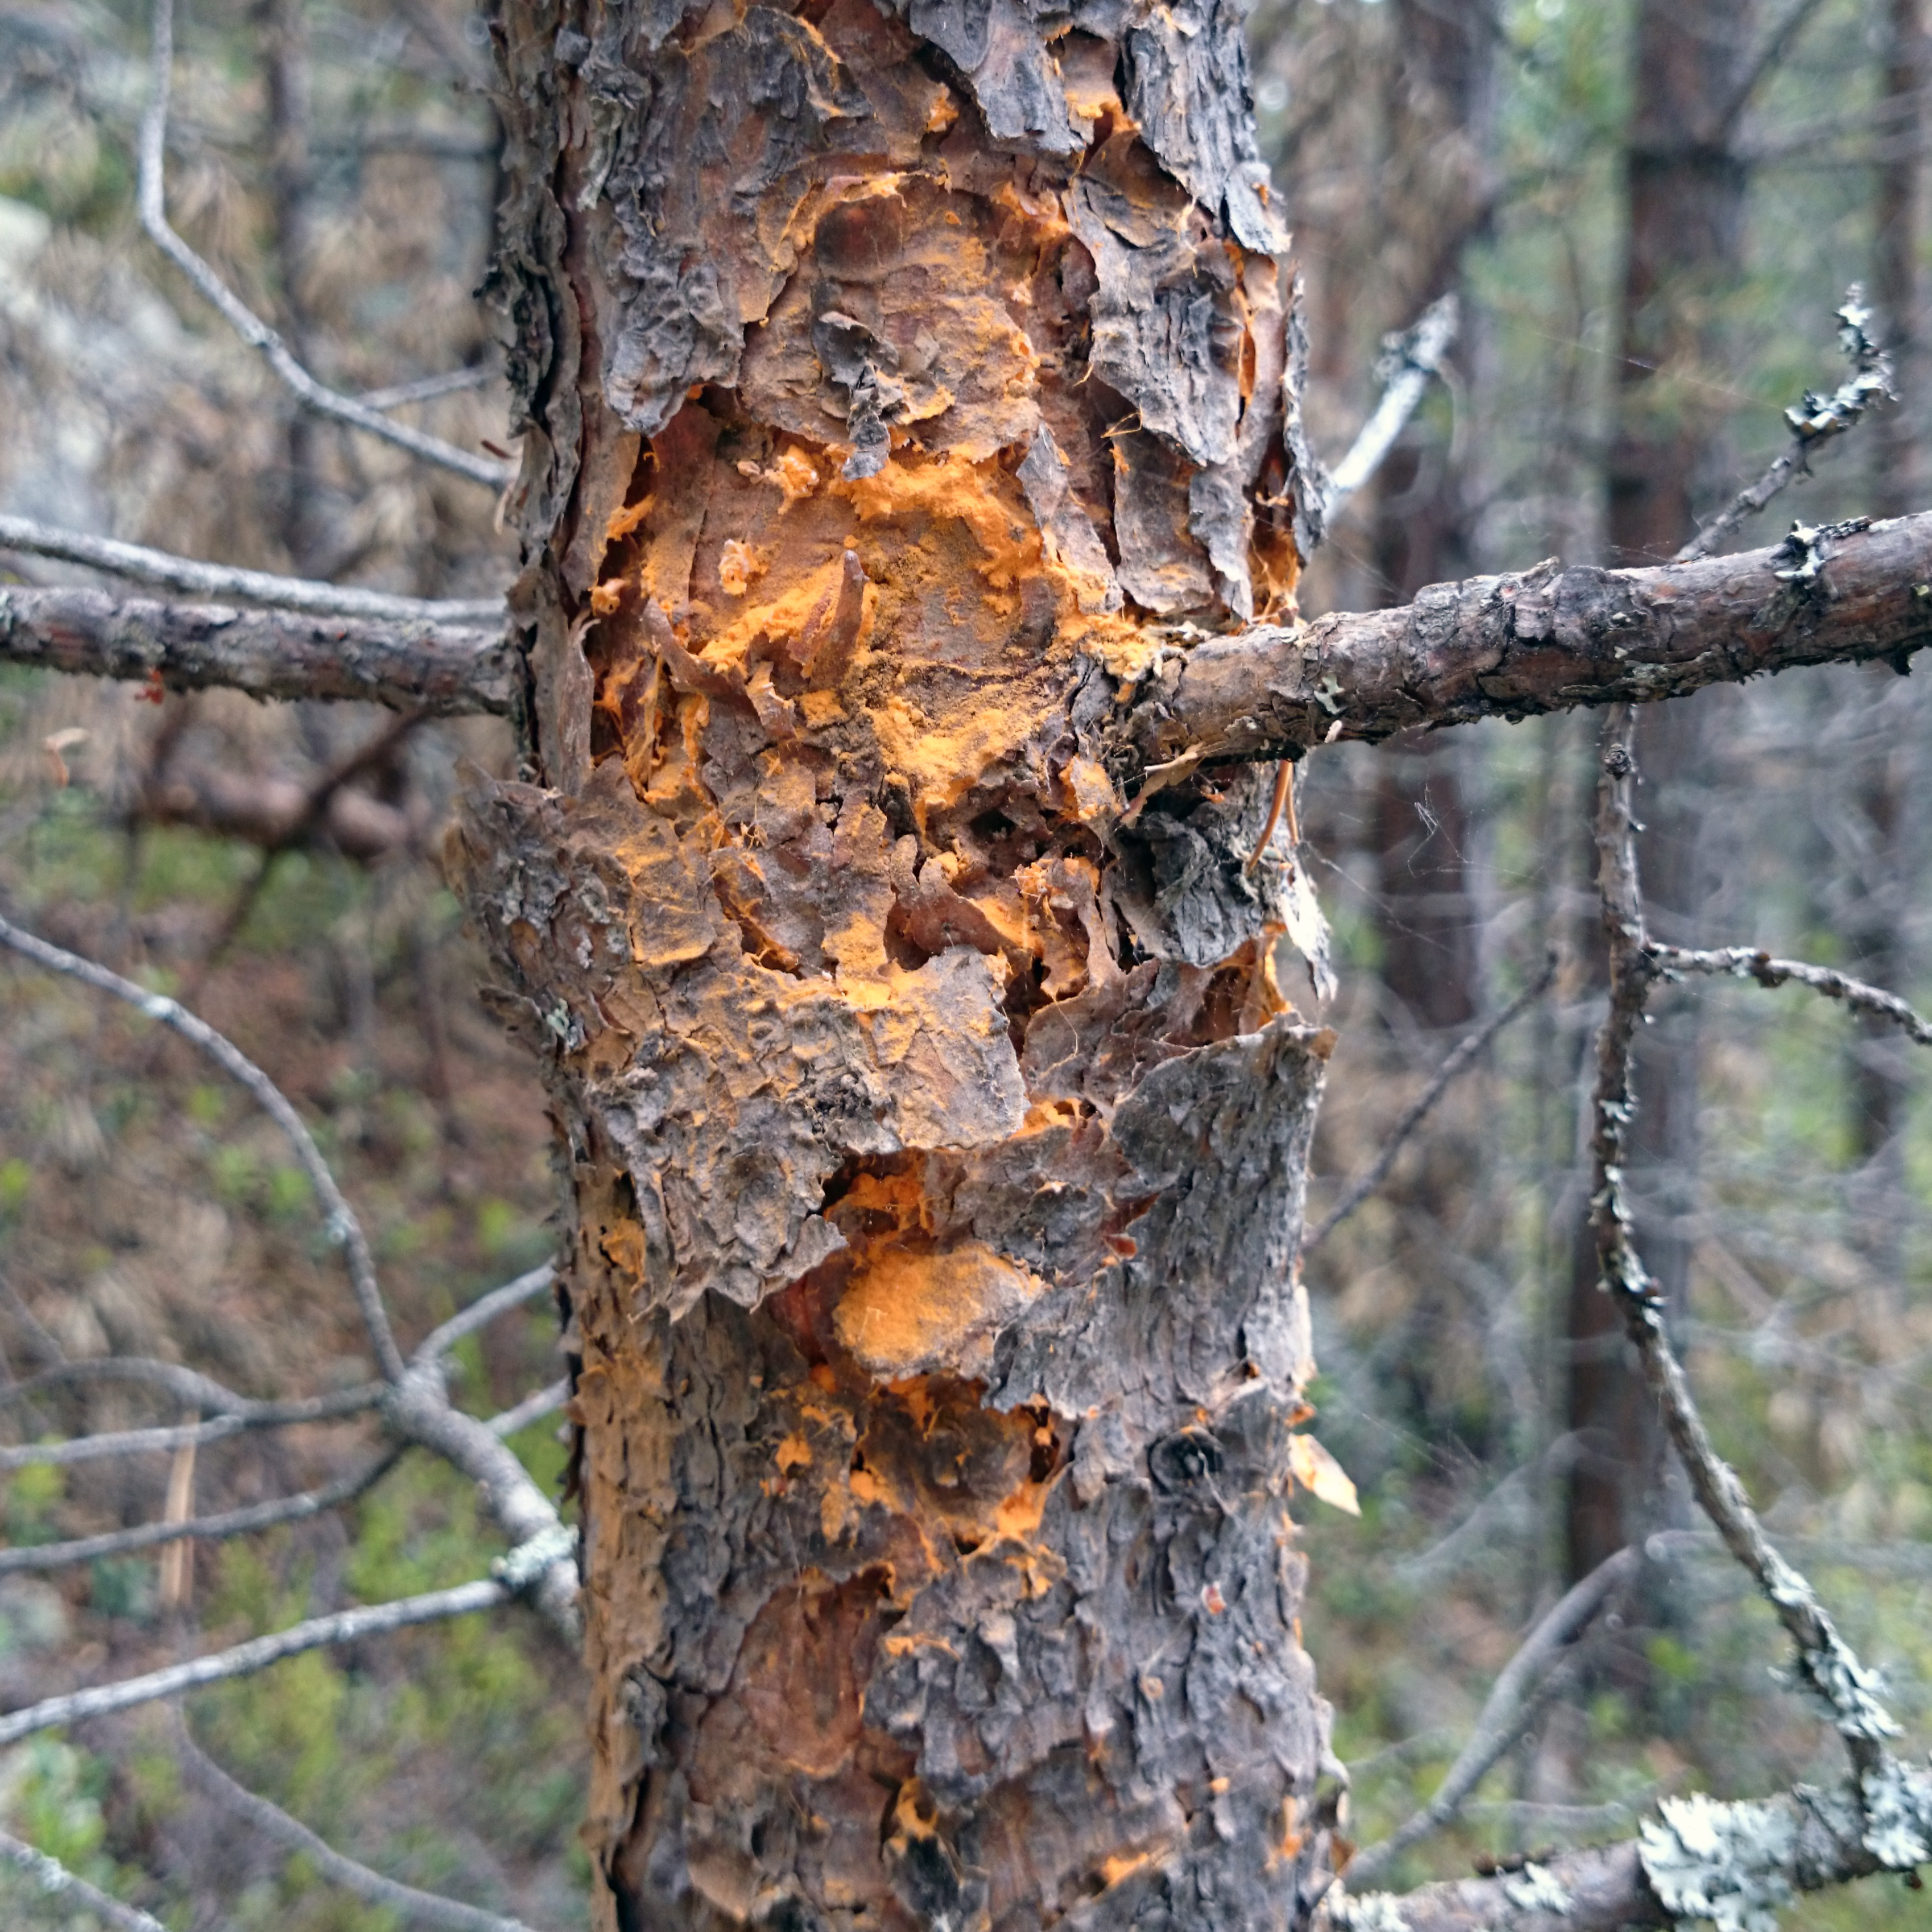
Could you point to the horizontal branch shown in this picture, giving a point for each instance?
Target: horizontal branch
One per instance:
(449, 670)
(1542, 639)
(139, 564)
(1748, 962)
(57, 1883)
(189, 1387)
(534, 1407)
(415, 1907)
(245, 1659)
(244, 1521)
(182, 1435)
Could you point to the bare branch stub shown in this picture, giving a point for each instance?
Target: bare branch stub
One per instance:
(252, 329)
(1408, 359)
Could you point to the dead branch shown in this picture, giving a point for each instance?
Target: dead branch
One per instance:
(277, 813)
(484, 1310)
(534, 1407)
(1538, 640)
(1461, 1056)
(422, 1908)
(252, 330)
(1526, 1683)
(218, 1528)
(139, 564)
(57, 1883)
(245, 1659)
(217, 1428)
(426, 388)
(189, 1387)
(1814, 421)
(1747, 962)
(1408, 358)
(448, 670)
(1826, 1663)
(340, 1217)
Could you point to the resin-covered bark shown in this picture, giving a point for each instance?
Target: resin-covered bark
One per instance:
(901, 384)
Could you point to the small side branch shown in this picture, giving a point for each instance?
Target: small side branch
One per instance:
(484, 1310)
(45, 1556)
(1814, 421)
(1526, 1684)
(415, 1907)
(534, 1407)
(245, 323)
(1461, 1056)
(245, 1659)
(139, 564)
(196, 1435)
(1407, 362)
(447, 670)
(65, 1888)
(1826, 1665)
(1748, 962)
(343, 1225)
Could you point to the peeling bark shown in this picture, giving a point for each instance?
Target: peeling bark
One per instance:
(937, 1131)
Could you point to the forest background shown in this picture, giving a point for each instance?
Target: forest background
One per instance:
(277, 867)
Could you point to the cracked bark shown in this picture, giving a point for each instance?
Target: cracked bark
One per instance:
(936, 1137)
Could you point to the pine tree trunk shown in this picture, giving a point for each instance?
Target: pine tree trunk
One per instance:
(934, 1130)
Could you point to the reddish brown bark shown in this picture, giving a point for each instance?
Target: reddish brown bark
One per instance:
(936, 1132)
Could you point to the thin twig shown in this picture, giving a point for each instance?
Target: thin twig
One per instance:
(422, 1908)
(1814, 421)
(1407, 361)
(1748, 962)
(482, 1311)
(1826, 1665)
(426, 388)
(534, 1407)
(252, 329)
(1776, 45)
(139, 564)
(43, 1557)
(1464, 1052)
(217, 1428)
(343, 1225)
(70, 1888)
(1526, 1682)
(187, 1386)
(316, 1633)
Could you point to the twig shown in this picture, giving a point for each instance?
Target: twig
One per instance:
(187, 1386)
(424, 1908)
(446, 669)
(316, 1633)
(1814, 420)
(1747, 962)
(139, 564)
(343, 1225)
(45, 1556)
(252, 329)
(534, 1407)
(1776, 45)
(217, 1428)
(426, 388)
(1464, 1051)
(1526, 1682)
(55, 1880)
(1826, 1663)
(482, 1311)
(1407, 361)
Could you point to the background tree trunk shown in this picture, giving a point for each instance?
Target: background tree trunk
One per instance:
(936, 1134)
(1685, 188)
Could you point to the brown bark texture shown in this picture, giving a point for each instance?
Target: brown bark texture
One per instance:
(936, 1129)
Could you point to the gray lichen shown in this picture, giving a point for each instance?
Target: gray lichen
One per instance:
(1727, 1863)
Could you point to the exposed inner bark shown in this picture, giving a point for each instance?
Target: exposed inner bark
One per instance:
(936, 1127)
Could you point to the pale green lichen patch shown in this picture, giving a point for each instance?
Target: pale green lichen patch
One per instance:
(1898, 1816)
(1373, 1912)
(1727, 1863)
(1536, 1889)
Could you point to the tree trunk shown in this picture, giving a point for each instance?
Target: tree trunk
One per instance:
(935, 1131)
(1685, 186)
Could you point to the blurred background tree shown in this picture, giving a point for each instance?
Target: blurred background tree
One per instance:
(1649, 212)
